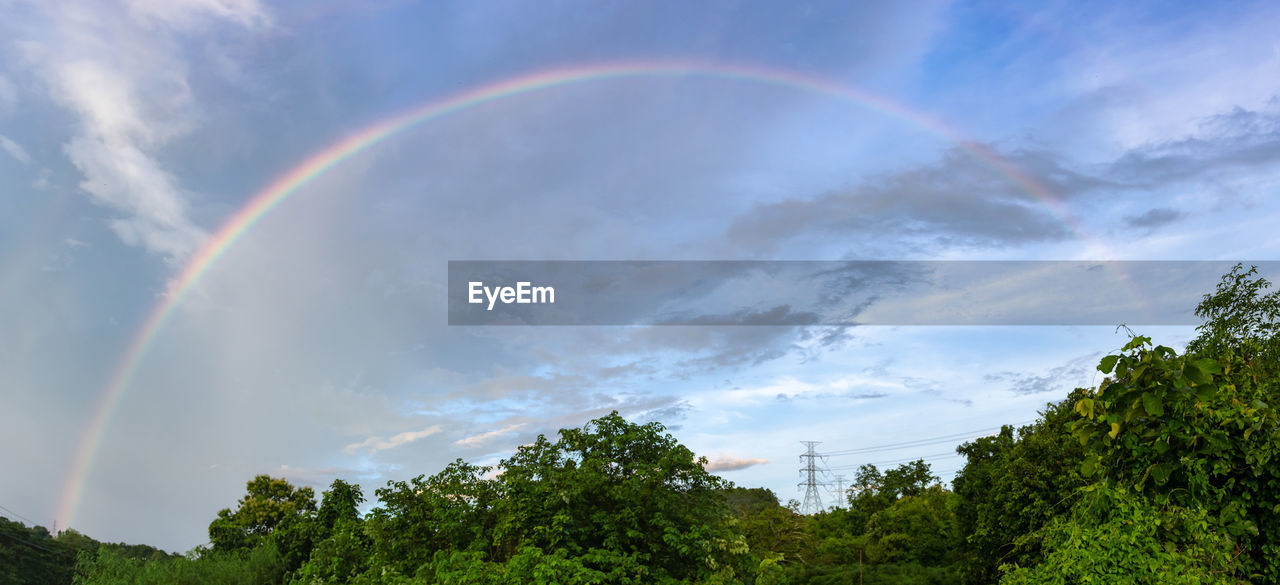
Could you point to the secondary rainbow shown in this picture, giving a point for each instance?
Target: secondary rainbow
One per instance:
(288, 184)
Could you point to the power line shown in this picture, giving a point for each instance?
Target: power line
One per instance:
(28, 543)
(931, 457)
(33, 522)
(919, 442)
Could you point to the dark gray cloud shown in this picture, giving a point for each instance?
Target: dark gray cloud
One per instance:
(779, 315)
(1075, 373)
(960, 200)
(670, 415)
(1227, 143)
(1154, 218)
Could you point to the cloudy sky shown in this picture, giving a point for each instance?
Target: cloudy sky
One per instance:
(317, 346)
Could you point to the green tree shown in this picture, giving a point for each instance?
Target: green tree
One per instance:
(271, 510)
(773, 532)
(899, 528)
(1013, 484)
(450, 511)
(917, 528)
(611, 502)
(340, 502)
(269, 505)
(873, 490)
(341, 549)
(628, 498)
(1200, 430)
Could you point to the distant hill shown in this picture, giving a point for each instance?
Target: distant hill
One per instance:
(33, 556)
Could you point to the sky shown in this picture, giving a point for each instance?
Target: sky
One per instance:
(161, 345)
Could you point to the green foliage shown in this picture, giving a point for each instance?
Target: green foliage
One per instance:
(627, 502)
(529, 565)
(271, 505)
(30, 555)
(340, 502)
(899, 528)
(261, 565)
(918, 528)
(1118, 537)
(339, 545)
(1012, 486)
(1239, 317)
(340, 557)
(1200, 429)
(450, 511)
(775, 535)
(627, 489)
(874, 491)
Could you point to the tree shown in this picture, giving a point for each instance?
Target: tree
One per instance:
(450, 511)
(873, 491)
(1013, 484)
(1238, 316)
(269, 505)
(776, 536)
(612, 501)
(1199, 430)
(274, 511)
(340, 502)
(627, 495)
(341, 549)
(917, 528)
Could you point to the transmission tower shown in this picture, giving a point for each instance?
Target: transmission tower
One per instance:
(810, 470)
(840, 499)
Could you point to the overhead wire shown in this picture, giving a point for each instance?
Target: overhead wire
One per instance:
(920, 442)
(33, 522)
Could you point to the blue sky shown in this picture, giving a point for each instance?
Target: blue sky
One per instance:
(316, 347)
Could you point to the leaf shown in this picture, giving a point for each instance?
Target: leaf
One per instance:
(1108, 363)
(1152, 404)
(1198, 373)
(1115, 430)
(1089, 466)
(1209, 365)
(1160, 473)
(1085, 407)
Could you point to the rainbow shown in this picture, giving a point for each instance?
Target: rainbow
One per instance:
(288, 184)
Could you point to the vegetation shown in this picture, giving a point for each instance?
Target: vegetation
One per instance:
(1167, 472)
(33, 555)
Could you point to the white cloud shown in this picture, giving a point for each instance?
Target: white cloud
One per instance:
(727, 463)
(375, 444)
(123, 77)
(15, 150)
(475, 440)
(192, 13)
(792, 388)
